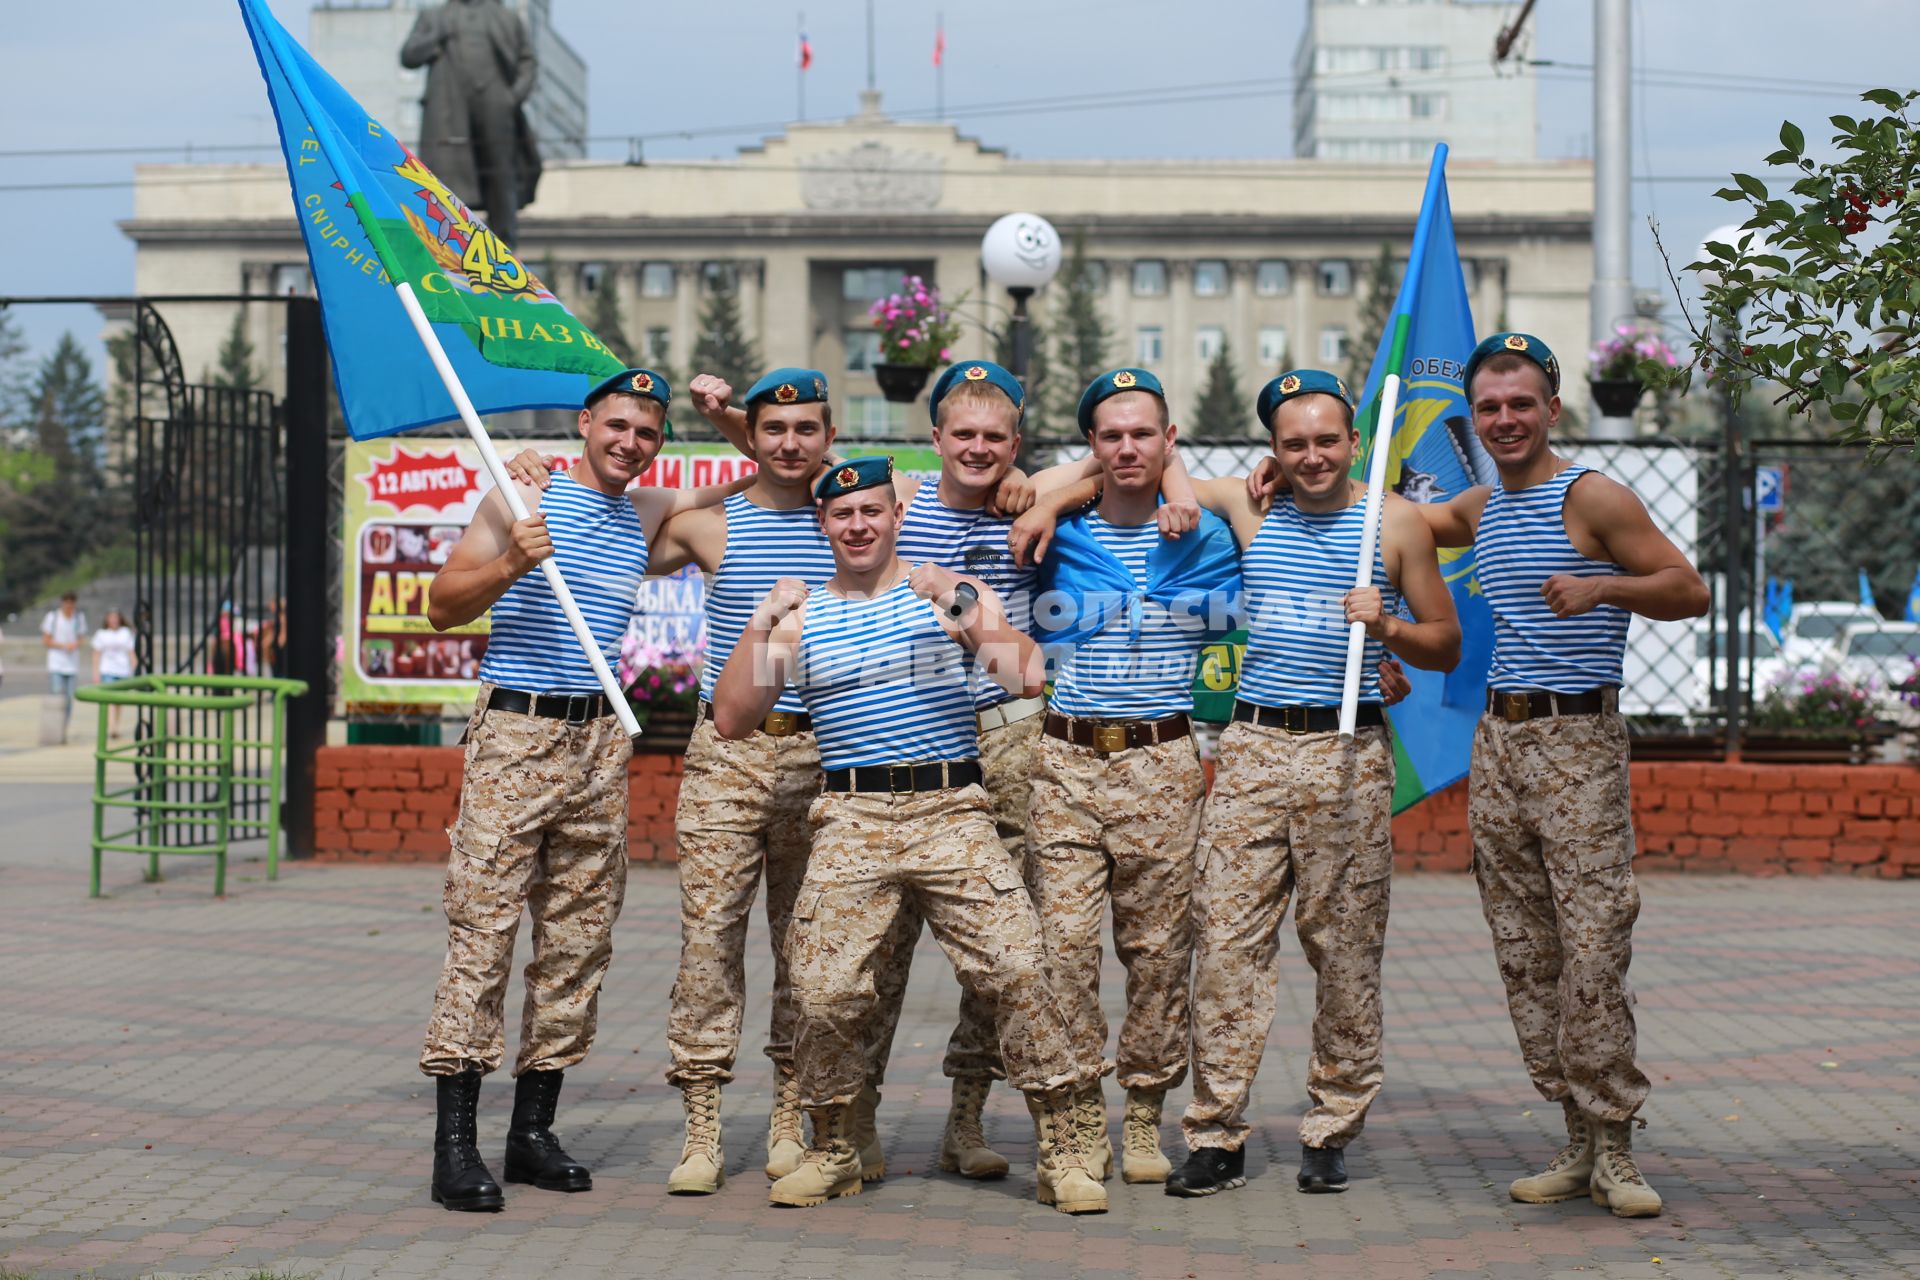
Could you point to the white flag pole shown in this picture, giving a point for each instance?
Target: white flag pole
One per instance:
(502, 481)
(1369, 540)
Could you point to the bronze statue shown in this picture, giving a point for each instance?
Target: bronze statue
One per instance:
(473, 127)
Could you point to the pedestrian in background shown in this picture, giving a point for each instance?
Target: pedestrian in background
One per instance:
(60, 632)
(113, 659)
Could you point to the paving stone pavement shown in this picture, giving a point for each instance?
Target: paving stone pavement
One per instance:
(200, 1087)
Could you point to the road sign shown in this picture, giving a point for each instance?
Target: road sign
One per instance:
(1769, 488)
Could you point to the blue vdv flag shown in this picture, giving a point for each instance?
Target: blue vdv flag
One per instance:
(1866, 591)
(1913, 598)
(1779, 606)
(372, 216)
(1436, 456)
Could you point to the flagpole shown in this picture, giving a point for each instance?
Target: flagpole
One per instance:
(550, 567)
(1369, 540)
(800, 68)
(940, 66)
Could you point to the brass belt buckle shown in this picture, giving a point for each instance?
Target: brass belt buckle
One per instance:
(780, 724)
(894, 773)
(1516, 706)
(1109, 738)
(1293, 719)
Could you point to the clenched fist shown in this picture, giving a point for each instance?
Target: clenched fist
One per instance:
(710, 394)
(787, 595)
(531, 543)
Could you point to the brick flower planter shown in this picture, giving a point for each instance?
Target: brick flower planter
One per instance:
(394, 804)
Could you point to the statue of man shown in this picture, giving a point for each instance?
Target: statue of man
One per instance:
(473, 129)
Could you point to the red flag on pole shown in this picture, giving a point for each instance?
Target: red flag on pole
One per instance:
(806, 51)
(939, 45)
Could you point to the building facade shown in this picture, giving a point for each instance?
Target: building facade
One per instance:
(358, 42)
(809, 226)
(1382, 81)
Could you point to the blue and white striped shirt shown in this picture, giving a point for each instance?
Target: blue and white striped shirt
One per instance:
(1123, 673)
(884, 682)
(763, 546)
(601, 548)
(1522, 541)
(973, 543)
(1295, 570)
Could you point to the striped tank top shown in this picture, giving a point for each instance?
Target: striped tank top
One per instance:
(1295, 570)
(1522, 541)
(1140, 666)
(884, 682)
(602, 552)
(973, 543)
(763, 546)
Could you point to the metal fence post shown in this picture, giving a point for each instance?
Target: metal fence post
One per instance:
(309, 638)
(1734, 466)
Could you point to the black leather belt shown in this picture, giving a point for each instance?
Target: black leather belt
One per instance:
(778, 724)
(1305, 719)
(574, 708)
(1515, 707)
(1109, 736)
(902, 779)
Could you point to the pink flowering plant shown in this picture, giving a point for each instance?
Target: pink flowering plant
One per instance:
(1808, 700)
(916, 327)
(1619, 357)
(659, 677)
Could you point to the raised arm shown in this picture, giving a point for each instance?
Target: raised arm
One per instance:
(712, 398)
(657, 506)
(1032, 533)
(1454, 522)
(1660, 583)
(1007, 655)
(1432, 640)
(491, 555)
(762, 663)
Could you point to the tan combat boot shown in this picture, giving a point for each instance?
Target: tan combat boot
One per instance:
(866, 1134)
(830, 1167)
(1568, 1174)
(786, 1128)
(701, 1170)
(1141, 1159)
(1090, 1112)
(1617, 1183)
(1061, 1176)
(963, 1148)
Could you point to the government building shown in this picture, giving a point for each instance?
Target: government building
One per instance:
(809, 226)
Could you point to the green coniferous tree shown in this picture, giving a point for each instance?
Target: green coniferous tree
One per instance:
(605, 321)
(53, 506)
(723, 347)
(234, 365)
(1221, 413)
(1375, 312)
(1082, 338)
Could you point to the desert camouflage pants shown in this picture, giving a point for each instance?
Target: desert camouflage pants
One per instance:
(933, 851)
(1006, 763)
(742, 817)
(1119, 829)
(1553, 852)
(1305, 817)
(542, 828)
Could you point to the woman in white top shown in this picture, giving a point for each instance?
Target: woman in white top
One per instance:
(113, 659)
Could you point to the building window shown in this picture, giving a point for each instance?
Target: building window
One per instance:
(1096, 276)
(592, 276)
(1333, 344)
(291, 277)
(1148, 344)
(1429, 106)
(1273, 346)
(865, 284)
(875, 418)
(863, 349)
(1149, 278)
(1209, 278)
(1273, 278)
(656, 280)
(1208, 339)
(659, 344)
(1336, 278)
(719, 276)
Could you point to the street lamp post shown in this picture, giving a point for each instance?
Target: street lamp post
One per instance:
(1021, 253)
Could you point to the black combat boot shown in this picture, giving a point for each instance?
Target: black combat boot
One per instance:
(1322, 1169)
(1208, 1170)
(460, 1177)
(533, 1153)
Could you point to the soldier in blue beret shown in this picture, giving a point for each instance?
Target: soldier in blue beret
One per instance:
(546, 803)
(884, 655)
(1565, 557)
(1296, 816)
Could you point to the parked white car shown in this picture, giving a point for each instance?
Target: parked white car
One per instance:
(1762, 656)
(1880, 653)
(1807, 639)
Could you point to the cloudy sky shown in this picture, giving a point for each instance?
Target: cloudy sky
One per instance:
(114, 82)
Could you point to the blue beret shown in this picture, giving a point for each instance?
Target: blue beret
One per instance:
(975, 371)
(789, 386)
(852, 476)
(1299, 382)
(635, 382)
(1520, 344)
(1112, 383)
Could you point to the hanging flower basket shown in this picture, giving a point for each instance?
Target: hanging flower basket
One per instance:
(901, 383)
(1617, 397)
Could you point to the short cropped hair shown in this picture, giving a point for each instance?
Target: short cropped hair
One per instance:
(977, 393)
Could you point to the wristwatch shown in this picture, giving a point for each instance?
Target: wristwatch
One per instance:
(965, 597)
